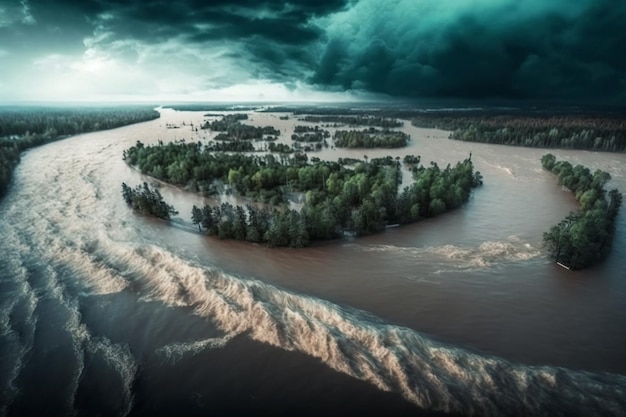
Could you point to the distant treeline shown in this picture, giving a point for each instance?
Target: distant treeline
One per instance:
(355, 120)
(583, 238)
(51, 122)
(235, 146)
(370, 138)
(147, 200)
(234, 130)
(311, 137)
(592, 132)
(338, 199)
(310, 109)
(381, 111)
(279, 148)
(450, 109)
(22, 128)
(309, 129)
(211, 107)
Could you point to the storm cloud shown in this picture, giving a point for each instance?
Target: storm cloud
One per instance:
(514, 49)
(524, 49)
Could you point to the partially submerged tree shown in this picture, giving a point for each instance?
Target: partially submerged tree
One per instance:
(147, 200)
(583, 238)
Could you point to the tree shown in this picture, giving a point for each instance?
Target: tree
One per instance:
(348, 195)
(148, 201)
(127, 194)
(196, 217)
(548, 161)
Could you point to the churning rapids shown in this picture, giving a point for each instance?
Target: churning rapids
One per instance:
(106, 312)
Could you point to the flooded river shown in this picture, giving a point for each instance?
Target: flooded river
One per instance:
(106, 311)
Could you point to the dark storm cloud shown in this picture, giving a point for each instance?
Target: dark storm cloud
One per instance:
(268, 37)
(553, 49)
(521, 49)
(60, 26)
(194, 20)
(35, 29)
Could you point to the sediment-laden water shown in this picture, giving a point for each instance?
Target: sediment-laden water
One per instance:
(103, 311)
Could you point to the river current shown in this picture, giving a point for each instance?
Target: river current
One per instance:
(107, 312)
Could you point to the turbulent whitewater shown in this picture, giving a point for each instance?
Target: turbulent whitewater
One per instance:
(77, 268)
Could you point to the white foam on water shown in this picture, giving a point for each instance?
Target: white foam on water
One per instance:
(67, 228)
(486, 255)
(18, 321)
(119, 358)
(73, 325)
(431, 375)
(175, 351)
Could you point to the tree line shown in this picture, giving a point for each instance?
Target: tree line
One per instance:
(267, 225)
(585, 237)
(590, 132)
(22, 128)
(236, 146)
(338, 199)
(370, 138)
(51, 122)
(233, 129)
(195, 167)
(311, 137)
(383, 122)
(311, 129)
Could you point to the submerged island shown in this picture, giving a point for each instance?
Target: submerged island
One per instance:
(295, 200)
(334, 198)
(147, 200)
(585, 237)
(371, 138)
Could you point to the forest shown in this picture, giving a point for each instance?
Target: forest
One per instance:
(357, 202)
(233, 129)
(211, 107)
(309, 134)
(235, 146)
(371, 138)
(568, 131)
(338, 199)
(383, 122)
(22, 128)
(309, 139)
(585, 237)
(310, 129)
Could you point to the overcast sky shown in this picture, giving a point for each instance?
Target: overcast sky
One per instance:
(566, 50)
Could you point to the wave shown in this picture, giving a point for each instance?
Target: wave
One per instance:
(431, 375)
(485, 255)
(507, 170)
(73, 326)
(488, 253)
(18, 317)
(121, 361)
(42, 294)
(175, 351)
